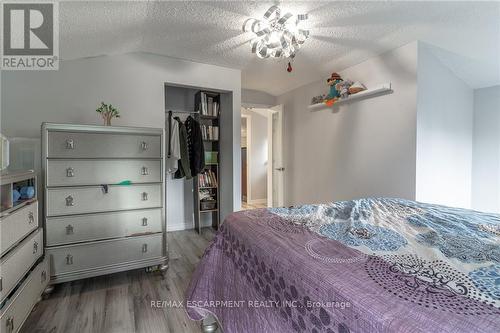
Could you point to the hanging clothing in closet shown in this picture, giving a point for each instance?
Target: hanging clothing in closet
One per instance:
(173, 145)
(195, 146)
(183, 169)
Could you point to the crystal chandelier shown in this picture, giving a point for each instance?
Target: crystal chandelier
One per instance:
(277, 36)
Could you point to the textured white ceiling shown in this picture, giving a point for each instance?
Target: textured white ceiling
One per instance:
(343, 34)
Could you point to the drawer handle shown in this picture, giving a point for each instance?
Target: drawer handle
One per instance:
(43, 276)
(69, 201)
(144, 221)
(69, 229)
(35, 247)
(1, 284)
(70, 172)
(31, 217)
(144, 171)
(70, 144)
(69, 259)
(144, 145)
(144, 248)
(144, 196)
(9, 325)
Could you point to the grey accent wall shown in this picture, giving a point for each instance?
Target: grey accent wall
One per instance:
(364, 148)
(486, 150)
(132, 82)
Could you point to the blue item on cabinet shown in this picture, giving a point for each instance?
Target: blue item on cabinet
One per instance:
(15, 196)
(27, 192)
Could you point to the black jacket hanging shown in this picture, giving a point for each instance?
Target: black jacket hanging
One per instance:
(195, 146)
(184, 169)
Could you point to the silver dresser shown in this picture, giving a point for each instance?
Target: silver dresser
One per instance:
(24, 273)
(104, 199)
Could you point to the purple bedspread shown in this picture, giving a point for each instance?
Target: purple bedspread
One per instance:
(266, 273)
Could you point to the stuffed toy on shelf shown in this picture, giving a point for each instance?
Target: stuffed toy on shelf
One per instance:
(334, 93)
(339, 89)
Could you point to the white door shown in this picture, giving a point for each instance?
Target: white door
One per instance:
(277, 169)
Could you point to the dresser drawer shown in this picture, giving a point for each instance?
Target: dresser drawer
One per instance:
(96, 172)
(103, 145)
(90, 227)
(14, 265)
(88, 256)
(19, 306)
(17, 225)
(94, 199)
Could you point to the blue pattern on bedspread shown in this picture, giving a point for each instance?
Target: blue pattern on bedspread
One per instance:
(374, 237)
(465, 242)
(487, 279)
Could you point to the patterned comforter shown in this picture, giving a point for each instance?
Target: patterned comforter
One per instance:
(368, 265)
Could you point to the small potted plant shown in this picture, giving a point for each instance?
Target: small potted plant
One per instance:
(108, 112)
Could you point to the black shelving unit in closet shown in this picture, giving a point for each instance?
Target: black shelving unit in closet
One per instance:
(207, 185)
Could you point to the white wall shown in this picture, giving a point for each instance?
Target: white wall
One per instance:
(365, 148)
(257, 155)
(444, 133)
(257, 98)
(132, 82)
(486, 150)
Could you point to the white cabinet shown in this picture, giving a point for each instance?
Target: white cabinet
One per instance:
(104, 199)
(19, 261)
(23, 273)
(94, 199)
(72, 142)
(107, 171)
(90, 256)
(18, 307)
(16, 225)
(89, 227)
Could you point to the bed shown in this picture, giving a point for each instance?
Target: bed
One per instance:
(368, 265)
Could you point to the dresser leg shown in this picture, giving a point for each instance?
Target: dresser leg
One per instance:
(163, 267)
(48, 290)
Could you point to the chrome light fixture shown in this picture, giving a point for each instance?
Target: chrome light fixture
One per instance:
(277, 35)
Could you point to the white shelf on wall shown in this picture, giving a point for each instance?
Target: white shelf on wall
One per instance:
(376, 91)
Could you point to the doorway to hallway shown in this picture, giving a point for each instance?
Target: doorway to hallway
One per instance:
(262, 157)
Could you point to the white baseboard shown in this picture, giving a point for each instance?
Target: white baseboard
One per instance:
(180, 226)
(184, 226)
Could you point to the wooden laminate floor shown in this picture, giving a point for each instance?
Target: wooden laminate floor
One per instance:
(122, 302)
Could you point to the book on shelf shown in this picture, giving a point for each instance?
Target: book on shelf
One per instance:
(208, 104)
(209, 132)
(207, 179)
(203, 103)
(215, 109)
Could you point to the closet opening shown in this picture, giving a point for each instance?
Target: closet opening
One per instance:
(262, 167)
(198, 142)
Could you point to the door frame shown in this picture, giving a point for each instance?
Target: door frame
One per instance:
(273, 110)
(249, 147)
(267, 112)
